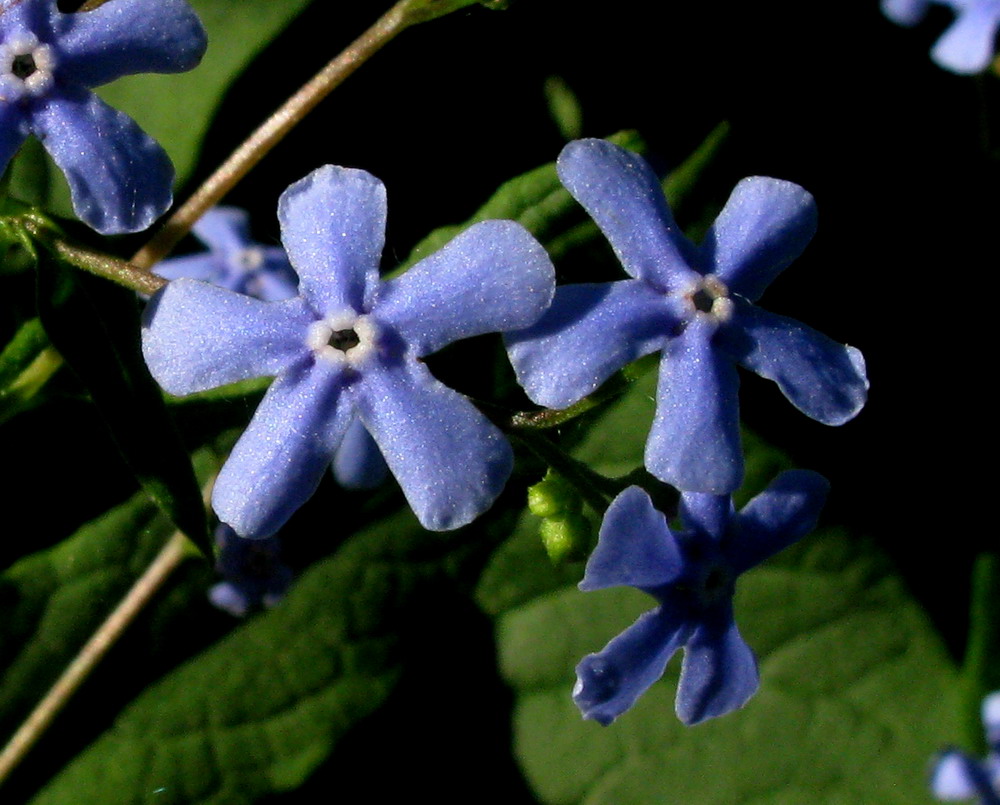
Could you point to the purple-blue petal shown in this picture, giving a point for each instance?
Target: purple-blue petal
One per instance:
(764, 226)
(333, 228)
(635, 546)
(13, 131)
(780, 515)
(197, 336)
(449, 460)
(590, 331)
(282, 455)
(275, 280)
(823, 379)
(224, 229)
(967, 47)
(119, 177)
(358, 464)
(719, 672)
(694, 443)
(991, 720)
(30, 16)
(610, 682)
(905, 12)
(706, 513)
(206, 267)
(128, 37)
(957, 776)
(625, 199)
(492, 277)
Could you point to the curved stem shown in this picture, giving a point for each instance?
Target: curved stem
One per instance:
(981, 665)
(272, 131)
(169, 558)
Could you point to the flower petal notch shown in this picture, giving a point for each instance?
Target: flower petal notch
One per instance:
(695, 306)
(692, 574)
(346, 356)
(120, 178)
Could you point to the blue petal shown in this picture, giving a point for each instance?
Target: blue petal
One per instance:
(823, 379)
(492, 277)
(30, 16)
(956, 776)
(275, 280)
(13, 131)
(719, 672)
(780, 515)
(635, 546)
(589, 332)
(205, 267)
(230, 599)
(967, 47)
(450, 461)
(694, 443)
(224, 229)
(991, 720)
(905, 12)
(610, 682)
(358, 464)
(197, 336)
(708, 514)
(333, 228)
(119, 177)
(128, 37)
(281, 457)
(625, 199)
(764, 226)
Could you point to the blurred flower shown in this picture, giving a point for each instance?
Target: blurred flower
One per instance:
(254, 575)
(956, 775)
(692, 573)
(967, 46)
(349, 346)
(119, 176)
(693, 304)
(233, 259)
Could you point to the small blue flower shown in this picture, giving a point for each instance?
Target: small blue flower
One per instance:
(254, 575)
(957, 776)
(694, 304)
(120, 178)
(692, 574)
(233, 259)
(967, 46)
(350, 346)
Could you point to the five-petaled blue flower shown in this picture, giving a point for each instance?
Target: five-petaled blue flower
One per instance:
(350, 346)
(692, 574)
(253, 574)
(119, 176)
(695, 305)
(234, 260)
(967, 46)
(956, 775)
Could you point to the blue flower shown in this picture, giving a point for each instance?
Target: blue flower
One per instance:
(233, 259)
(695, 305)
(967, 46)
(956, 775)
(254, 575)
(692, 574)
(350, 346)
(119, 177)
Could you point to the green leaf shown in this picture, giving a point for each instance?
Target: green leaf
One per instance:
(95, 325)
(256, 713)
(25, 364)
(856, 694)
(176, 110)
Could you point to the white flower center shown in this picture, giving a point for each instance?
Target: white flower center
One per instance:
(344, 339)
(25, 67)
(248, 259)
(710, 297)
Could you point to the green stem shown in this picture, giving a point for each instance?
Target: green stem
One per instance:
(981, 666)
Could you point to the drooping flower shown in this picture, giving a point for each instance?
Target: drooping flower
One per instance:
(694, 304)
(234, 260)
(956, 775)
(350, 346)
(968, 45)
(253, 574)
(692, 574)
(120, 178)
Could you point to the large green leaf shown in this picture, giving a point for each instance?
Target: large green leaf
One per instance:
(854, 700)
(175, 109)
(260, 710)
